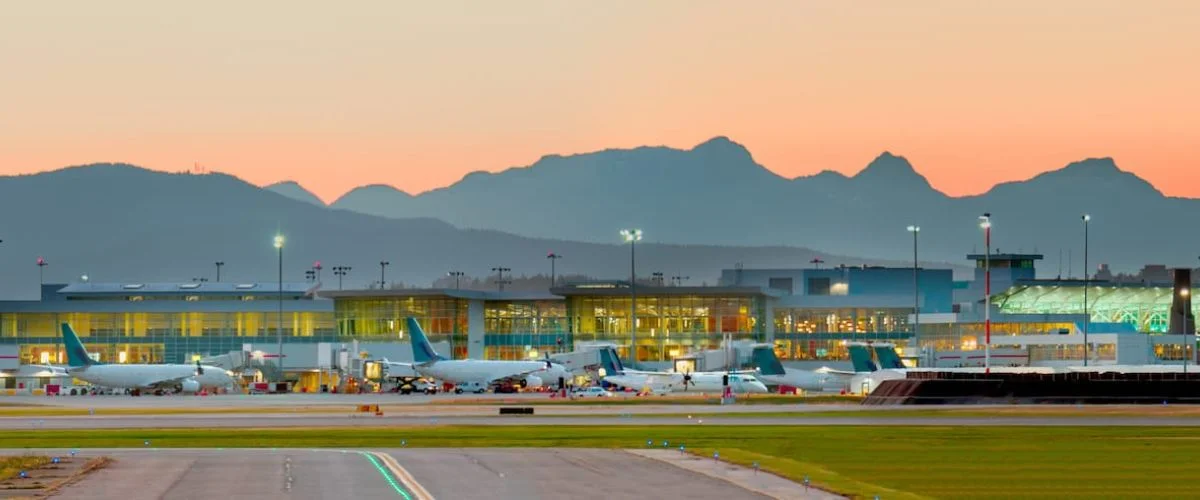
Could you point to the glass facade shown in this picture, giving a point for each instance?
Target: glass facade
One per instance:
(516, 330)
(155, 337)
(383, 318)
(823, 334)
(667, 325)
(1146, 308)
(970, 336)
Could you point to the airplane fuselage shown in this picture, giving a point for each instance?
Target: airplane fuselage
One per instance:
(703, 382)
(806, 380)
(479, 371)
(145, 376)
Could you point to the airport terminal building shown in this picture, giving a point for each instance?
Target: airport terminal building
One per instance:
(810, 315)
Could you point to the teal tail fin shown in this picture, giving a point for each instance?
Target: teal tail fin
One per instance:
(862, 357)
(888, 357)
(610, 361)
(422, 350)
(77, 355)
(766, 361)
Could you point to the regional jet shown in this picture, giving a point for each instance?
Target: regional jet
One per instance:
(664, 382)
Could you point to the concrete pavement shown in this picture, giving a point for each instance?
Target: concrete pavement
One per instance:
(416, 474)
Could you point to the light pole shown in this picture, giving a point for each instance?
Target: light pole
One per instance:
(1183, 312)
(632, 236)
(382, 265)
(916, 230)
(219, 264)
(279, 319)
(457, 275)
(985, 221)
(41, 263)
(500, 276)
(1087, 318)
(553, 257)
(678, 280)
(341, 272)
(317, 267)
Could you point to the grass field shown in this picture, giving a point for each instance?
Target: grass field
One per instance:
(11, 466)
(892, 462)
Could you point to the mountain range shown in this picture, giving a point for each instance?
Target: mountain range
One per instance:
(116, 222)
(715, 193)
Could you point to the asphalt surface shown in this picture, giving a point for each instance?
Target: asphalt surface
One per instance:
(208, 474)
(420, 474)
(273, 420)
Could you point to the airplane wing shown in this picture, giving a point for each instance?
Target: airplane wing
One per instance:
(515, 377)
(51, 368)
(831, 371)
(400, 369)
(163, 383)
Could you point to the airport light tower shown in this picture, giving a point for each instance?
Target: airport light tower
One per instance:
(457, 275)
(382, 266)
(279, 318)
(341, 272)
(553, 258)
(985, 222)
(1087, 318)
(916, 230)
(1185, 294)
(219, 264)
(632, 236)
(500, 276)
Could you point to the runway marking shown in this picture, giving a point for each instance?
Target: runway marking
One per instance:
(400, 491)
(410, 483)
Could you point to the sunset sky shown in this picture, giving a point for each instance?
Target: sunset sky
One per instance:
(416, 94)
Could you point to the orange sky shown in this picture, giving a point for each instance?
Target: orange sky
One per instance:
(418, 94)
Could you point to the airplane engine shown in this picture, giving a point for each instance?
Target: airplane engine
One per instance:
(531, 381)
(190, 385)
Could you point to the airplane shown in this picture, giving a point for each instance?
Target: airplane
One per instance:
(772, 372)
(476, 374)
(162, 378)
(876, 363)
(664, 382)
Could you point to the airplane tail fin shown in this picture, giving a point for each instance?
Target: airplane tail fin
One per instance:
(862, 356)
(610, 361)
(77, 355)
(766, 361)
(422, 350)
(888, 357)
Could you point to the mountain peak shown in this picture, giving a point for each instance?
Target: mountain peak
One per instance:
(295, 191)
(1098, 174)
(721, 145)
(892, 171)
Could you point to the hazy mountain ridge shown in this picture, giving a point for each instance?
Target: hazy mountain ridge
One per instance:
(715, 193)
(120, 222)
(295, 191)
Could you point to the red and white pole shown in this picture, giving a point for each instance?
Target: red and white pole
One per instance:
(987, 300)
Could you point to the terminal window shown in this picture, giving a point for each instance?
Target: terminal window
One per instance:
(784, 284)
(818, 286)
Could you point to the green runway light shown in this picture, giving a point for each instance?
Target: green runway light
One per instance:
(387, 476)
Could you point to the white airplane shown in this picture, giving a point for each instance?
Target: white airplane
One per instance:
(139, 377)
(476, 374)
(664, 382)
(772, 372)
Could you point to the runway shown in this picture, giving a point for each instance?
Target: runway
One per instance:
(284, 421)
(412, 474)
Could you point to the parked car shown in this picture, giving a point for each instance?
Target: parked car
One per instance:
(598, 392)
